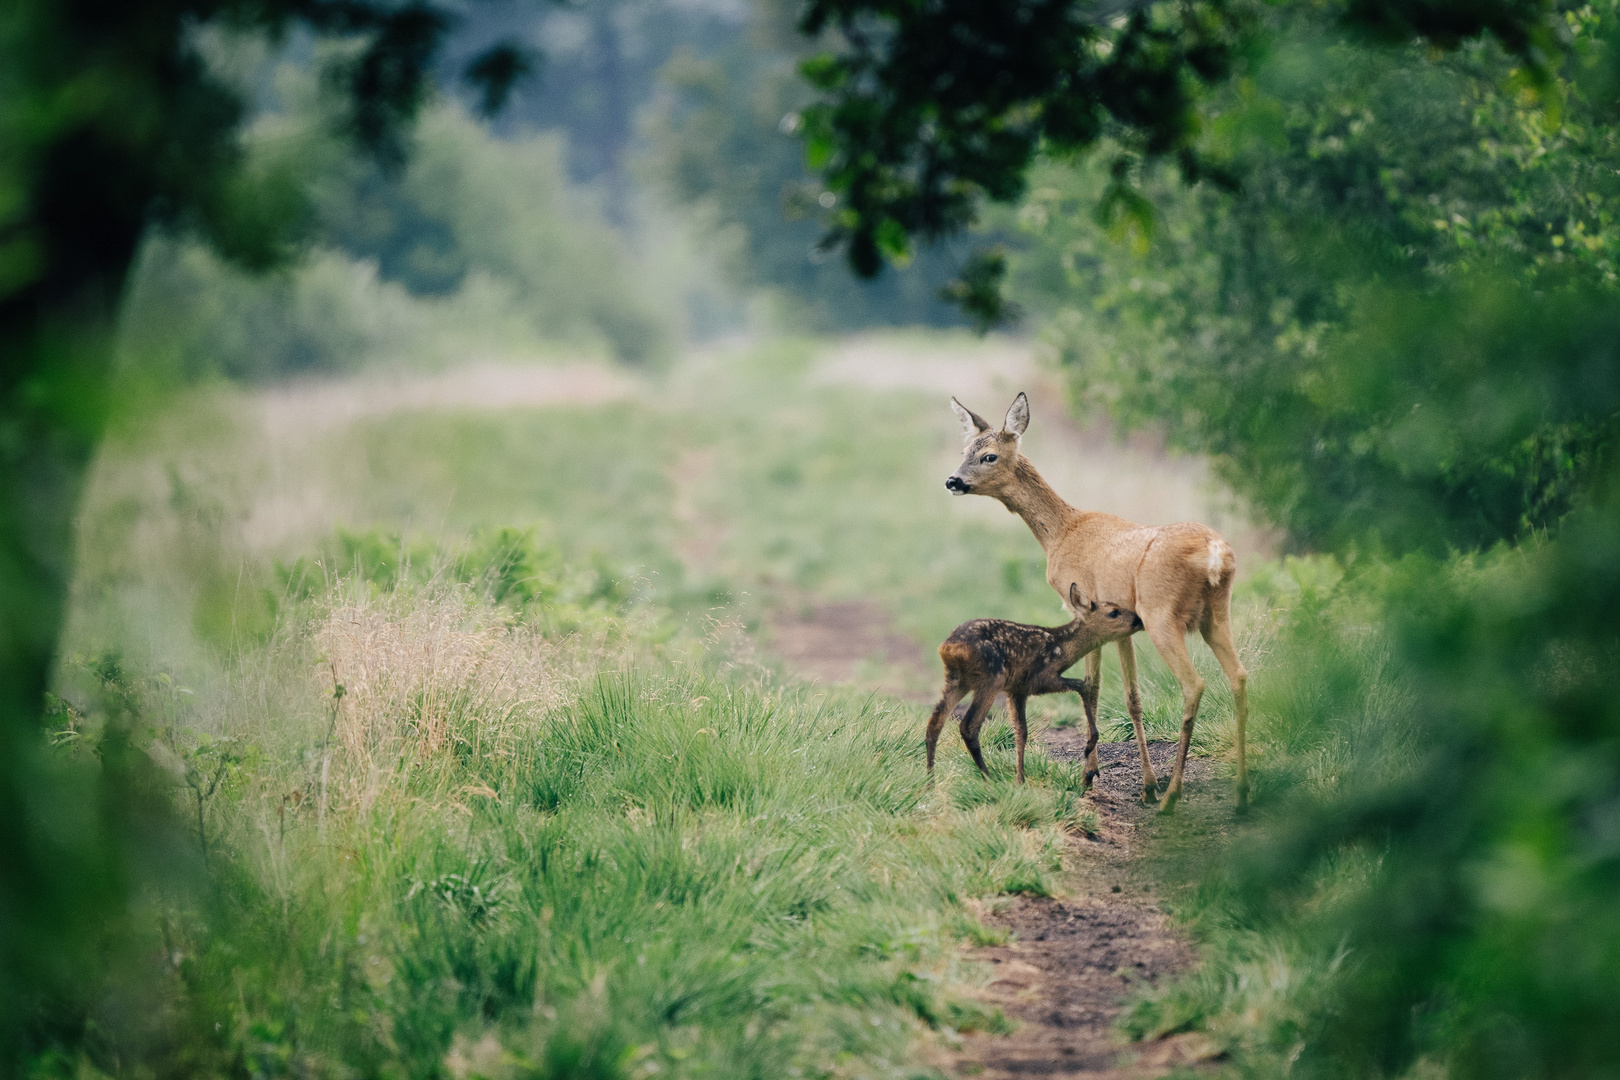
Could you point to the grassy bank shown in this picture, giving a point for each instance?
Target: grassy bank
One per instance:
(477, 764)
(423, 838)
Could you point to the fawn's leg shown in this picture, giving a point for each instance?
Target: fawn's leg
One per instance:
(1088, 701)
(974, 720)
(1218, 635)
(1083, 687)
(1171, 641)
(1050, 682)
(1133, 703)
(1015, 710)
(936, 720)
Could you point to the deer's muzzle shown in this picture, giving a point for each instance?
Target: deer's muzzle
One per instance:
(956, 485)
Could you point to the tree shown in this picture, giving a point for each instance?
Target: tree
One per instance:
(927, 110)
(1408, 243)
(1298, 314)
(111, 121)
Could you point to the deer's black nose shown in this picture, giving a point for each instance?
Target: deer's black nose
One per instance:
(956, 484)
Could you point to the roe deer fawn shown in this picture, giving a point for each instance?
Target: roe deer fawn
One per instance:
(1177, 576)
(986, 657)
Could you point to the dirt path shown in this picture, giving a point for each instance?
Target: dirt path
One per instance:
(1072, 960)
(851, 641)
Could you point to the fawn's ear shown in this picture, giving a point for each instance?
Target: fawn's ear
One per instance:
(1017, 416)
(1077, 601)
(972, 423)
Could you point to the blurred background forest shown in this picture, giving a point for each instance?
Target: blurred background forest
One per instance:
(450, 529)
(644, 188)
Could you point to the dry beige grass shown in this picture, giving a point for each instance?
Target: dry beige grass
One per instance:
(420, 675)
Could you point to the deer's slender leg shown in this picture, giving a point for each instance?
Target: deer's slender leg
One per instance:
(1218, 635)
(936, 720)
(1088, 701)
(1171, 641)
(974, 720)
(1133, 703)
(1053, 683)
(1015, 710)
(1083, 687)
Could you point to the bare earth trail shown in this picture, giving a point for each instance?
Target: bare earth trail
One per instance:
(1071, 961)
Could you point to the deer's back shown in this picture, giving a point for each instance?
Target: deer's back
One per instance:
(995, 648)
(1180, 569)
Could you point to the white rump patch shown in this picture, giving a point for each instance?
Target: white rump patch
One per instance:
(1218, 554)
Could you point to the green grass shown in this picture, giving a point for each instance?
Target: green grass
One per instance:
(561, 821)
(500, 849)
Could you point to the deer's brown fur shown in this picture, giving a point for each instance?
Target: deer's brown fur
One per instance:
(1178, 578)
(986, 657)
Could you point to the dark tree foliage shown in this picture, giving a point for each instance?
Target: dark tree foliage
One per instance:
(930, 108)
(1402, 326)
(110, 122)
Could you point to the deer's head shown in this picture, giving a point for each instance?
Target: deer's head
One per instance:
(989, 455)
(1105, 621)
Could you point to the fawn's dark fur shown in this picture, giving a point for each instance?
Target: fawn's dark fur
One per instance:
(986, 657)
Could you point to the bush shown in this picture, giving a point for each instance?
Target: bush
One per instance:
(1433, 872)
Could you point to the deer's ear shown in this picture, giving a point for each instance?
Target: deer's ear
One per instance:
(1077, 600)
(972, 423)
(1017, 416)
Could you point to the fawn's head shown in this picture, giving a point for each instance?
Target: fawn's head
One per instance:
(1101, 621)
(987, 467)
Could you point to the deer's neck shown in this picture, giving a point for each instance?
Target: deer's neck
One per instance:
(1032, 498)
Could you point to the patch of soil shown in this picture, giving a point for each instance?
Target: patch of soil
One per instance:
(848, 642)
(1072, 961)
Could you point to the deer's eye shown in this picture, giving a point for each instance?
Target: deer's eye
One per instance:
(987, 459)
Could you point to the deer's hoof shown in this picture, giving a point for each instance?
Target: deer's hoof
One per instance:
(1168, 805)
(1089, 779)
(1150, 795)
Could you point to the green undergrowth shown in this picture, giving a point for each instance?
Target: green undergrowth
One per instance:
(1426, 884)
(1327, 705)
(431, 838)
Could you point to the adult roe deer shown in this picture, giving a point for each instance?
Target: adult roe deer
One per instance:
(1176, 577)
(986, 657)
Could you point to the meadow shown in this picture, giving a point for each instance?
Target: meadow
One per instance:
(480, 760)
(418, 658)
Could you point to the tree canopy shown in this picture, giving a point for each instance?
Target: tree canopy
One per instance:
(928, 109)
(1382, 215)
(1399, 326)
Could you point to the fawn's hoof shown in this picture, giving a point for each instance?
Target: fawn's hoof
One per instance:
(1150, 795)
(1088, 779)
(1168, 804)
